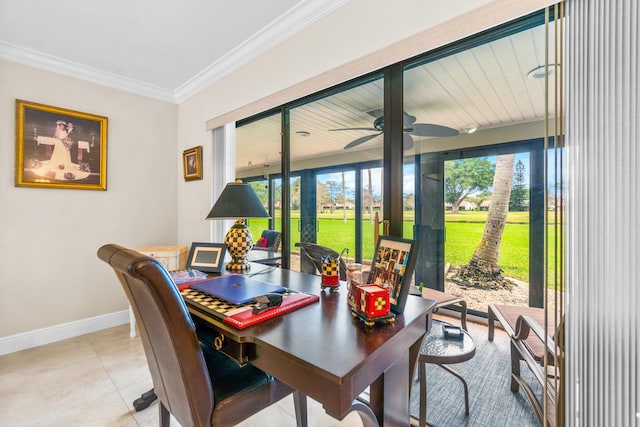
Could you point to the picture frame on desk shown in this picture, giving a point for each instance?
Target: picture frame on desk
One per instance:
(206, 257)
(192, 163)
(393, 263)
(60, 148)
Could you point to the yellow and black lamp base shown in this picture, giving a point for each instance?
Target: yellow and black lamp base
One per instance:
(239, 242)
(238, 264)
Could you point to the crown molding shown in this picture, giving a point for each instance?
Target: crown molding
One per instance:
(287, 25)
(65, 67)
(294, 21)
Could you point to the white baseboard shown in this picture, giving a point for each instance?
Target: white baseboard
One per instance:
(13, 343)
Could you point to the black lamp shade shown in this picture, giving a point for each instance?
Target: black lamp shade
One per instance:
(238, 200)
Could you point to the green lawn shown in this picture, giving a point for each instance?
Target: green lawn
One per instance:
(481, 216)
(462, 238)
(463, 232)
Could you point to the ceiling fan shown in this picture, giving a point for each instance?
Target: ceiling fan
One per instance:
(410, 128)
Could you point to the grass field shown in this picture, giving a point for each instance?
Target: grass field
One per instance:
(463, 232)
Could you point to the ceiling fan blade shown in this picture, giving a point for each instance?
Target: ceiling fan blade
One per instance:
(360, 140)
(408, 119)
(369, 129)
(427, 129)
(407, 142)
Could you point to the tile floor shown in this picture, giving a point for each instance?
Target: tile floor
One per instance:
(93, 379)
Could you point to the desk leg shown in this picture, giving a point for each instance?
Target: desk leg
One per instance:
(390, 394)
(414, 352)
(132, 324)
(423, 394)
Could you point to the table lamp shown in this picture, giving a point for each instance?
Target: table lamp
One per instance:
(238, 201)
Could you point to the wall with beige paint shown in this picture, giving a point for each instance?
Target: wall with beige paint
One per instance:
(49, 273)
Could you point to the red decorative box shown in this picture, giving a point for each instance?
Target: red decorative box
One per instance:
(370, 300)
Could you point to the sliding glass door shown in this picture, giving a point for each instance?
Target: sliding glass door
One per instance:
(258, 162)
(332, 138)
(454, 149)
(461, 185)
(474, 132)
(412, 151)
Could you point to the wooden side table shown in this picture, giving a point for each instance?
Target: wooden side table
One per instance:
(441, 351)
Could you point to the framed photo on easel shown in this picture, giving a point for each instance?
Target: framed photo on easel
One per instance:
(392, 267)
(206, 257)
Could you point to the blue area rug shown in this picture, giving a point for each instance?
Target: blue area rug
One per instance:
(488, 374)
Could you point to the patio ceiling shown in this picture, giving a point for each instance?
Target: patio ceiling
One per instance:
(486, 86)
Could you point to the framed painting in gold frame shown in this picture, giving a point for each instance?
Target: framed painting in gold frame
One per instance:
(192, 163)
(60, 148)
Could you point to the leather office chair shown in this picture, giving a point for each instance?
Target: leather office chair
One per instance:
(198, 385)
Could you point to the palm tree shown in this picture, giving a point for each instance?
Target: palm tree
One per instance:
(484, 267)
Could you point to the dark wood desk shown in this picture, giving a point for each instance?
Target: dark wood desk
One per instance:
(324, 352)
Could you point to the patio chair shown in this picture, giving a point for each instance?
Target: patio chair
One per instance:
(554, 347)
(447, 300)
(311, 262)
(530, 343)
(269, 241)
(507, 316)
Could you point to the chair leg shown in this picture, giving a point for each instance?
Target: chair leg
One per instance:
(533, 400)
(365, 412)
(463, 315)
(464, 383)
(144, 400)
(491, 318)
(515, 367)
(300, 405)
(165, 417)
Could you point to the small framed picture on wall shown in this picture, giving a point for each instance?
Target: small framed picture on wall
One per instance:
(192, 163)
